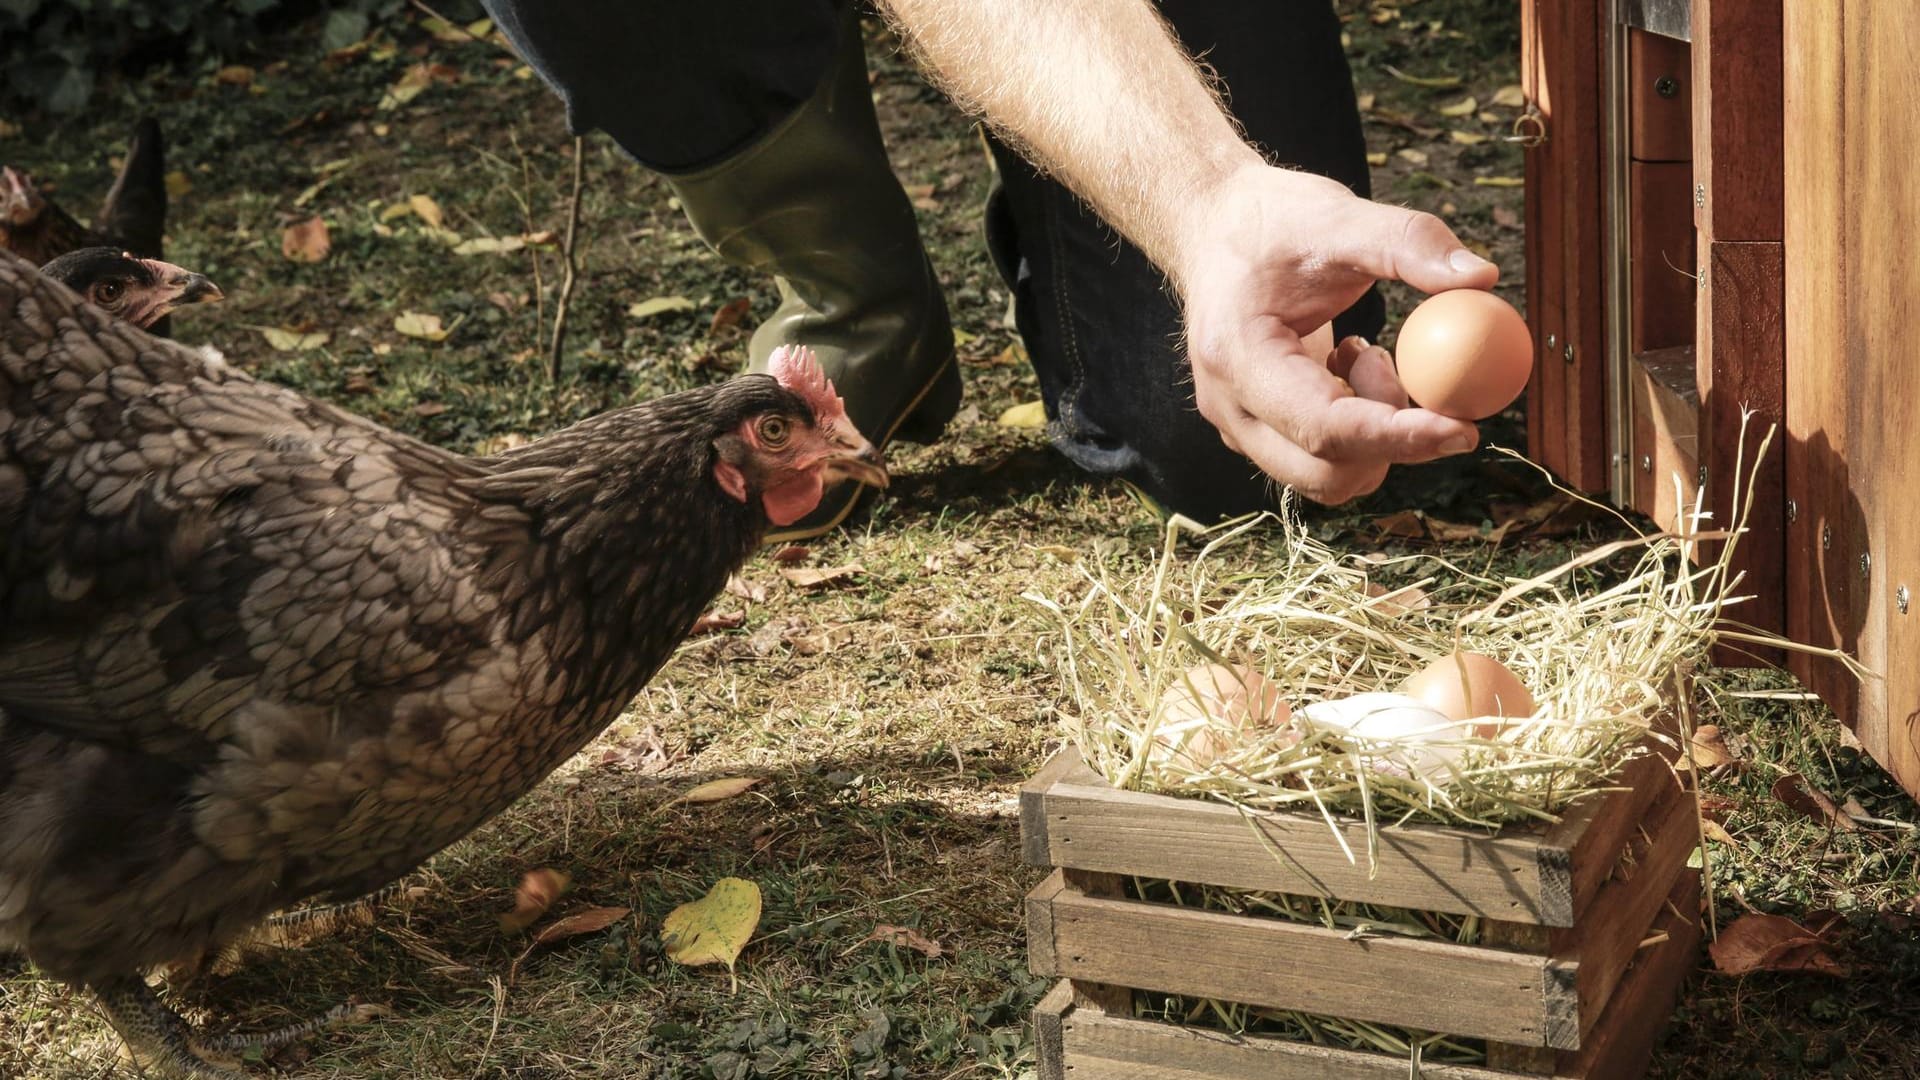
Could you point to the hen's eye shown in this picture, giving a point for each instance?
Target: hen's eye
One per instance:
(108, 291)
(773, 431)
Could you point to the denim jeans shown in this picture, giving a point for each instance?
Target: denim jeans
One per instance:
(684, 86)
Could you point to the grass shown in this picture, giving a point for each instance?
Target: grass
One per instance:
(893, 717)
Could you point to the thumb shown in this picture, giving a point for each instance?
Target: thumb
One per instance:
(1419, 249)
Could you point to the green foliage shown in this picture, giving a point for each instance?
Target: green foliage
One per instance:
(55, 52)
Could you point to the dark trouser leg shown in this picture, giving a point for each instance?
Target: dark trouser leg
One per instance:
(1102, 329)
(760, 114)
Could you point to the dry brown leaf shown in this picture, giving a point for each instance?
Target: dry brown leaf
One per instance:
(753, 592)
(428, 210)
(730, 315)
(714, 621)
(1709, 751)
(234, 75)
(906, 937)
(718, 790)
(588, 921)
(429, 408)
(1454, 532)
(1400, 601)
(1407, 523)
(306, 241)
(1793, 790)
(417, 324)
(537, 892)
(1505, 218)
(820, 577)
(1717, 832)
(1759, 942)
(793, 554)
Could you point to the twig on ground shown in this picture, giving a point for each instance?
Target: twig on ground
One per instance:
(567, 254)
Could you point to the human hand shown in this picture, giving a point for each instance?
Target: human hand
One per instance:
(1264, 259)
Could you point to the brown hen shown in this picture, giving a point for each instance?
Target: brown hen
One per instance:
(255, 650)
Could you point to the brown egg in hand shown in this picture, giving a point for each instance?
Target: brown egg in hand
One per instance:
(1471, 686)
(1464, 353)
(1207, 703)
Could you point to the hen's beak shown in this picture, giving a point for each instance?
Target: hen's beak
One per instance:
(855, 458)
(180, 287)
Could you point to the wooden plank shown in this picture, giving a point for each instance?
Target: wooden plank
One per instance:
(1041, 958)
(1607, 940)
(1542, 241)
(1435, 986)
(1742, 368)
(1621, 1045)
(1738, 130)
(1660, 255)
(1594, 831)
(1033, 815)
(1107, 997)
(1049, 1038)
(1659, 126)
(1666, 426)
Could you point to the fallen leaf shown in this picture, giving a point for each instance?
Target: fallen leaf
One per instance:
(358, 383)
(1411, 156)
(714, 928)
(1466, 138)
(907, 938)
(178, 184)
(1407, 523)
(416, 79)
(1454, 532)
(428, 210)
(792, 554)
(1511, 96)
(718, 790)
(730, 315)
(538, 239)
(1760, 942)
(1793, 790)
(1031, 414)
(1466, 106)
(1059, 551)
(1377, 158)
(658, 305)
(1854, 810)
(1014, 355)
(589, 921)
(1717, 832)
(1848, 739)
(420, 325)
(1365, 102)
(293, 340)
(1709, 750)
(8, 129)
(819, 577)
(489, 245)
(234, 75)
(1505, 218)
(537, 892)
(306, 241)
(1399, 601)
(740, 587)
(1432, 82)
(1498, 181)
(714, 621)
(429, 408)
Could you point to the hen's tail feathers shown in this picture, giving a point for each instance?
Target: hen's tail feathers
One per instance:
(135, 211)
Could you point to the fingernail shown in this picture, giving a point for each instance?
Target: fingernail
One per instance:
(1459, 446)
(1466, 262)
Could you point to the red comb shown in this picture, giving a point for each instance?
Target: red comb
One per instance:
(796, 369)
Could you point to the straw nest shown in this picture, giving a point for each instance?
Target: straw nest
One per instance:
(1602, 655)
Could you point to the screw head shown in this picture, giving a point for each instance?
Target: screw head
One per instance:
(1793, 511)
(1866, 566)
(1700, 477)
(1553, 342)
(1700, 194)
(1826, 537)
(1568, 352)
(1900, 599)
(1646, 462)
(1666, 86)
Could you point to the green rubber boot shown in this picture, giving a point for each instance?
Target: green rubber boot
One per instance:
(816, 204)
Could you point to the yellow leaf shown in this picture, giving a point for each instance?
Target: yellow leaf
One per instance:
(1498, 181)
(1033, 414)
(445, 236)
(1433, 82)
(1060, 551)
(659, 305)
(397, 210)
(1511, 96)
(428, 210)
(480, 27)
(1467, 138)
(1464, 107)
(489, 245)
(292, 340)
(1378, 158)
(960, 337)
(178, 184)
(1489, 118)
(714, 928)
(1365, 101)
(420, 325)
(1411, 156)
(719, 790)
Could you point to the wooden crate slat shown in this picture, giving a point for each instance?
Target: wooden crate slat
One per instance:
(1071, 817)
(1440, 986)
(1622, 1043)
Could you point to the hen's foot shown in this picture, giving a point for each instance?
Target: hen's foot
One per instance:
(267, 1041)
(155, 1035)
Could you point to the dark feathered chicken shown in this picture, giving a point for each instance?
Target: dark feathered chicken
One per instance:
(254, 649)
(133, 216)
(141, 291)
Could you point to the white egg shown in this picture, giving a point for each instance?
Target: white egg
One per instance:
(1413, 728)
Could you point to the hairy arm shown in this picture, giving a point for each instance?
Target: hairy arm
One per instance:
(1101, 94)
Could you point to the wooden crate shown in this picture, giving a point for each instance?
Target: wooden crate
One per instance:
(1593, 923)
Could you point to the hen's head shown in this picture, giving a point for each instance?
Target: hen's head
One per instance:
(141, 291)
(786, 454)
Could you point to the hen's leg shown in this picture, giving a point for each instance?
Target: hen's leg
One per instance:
(155, 1034)
(325, 918)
